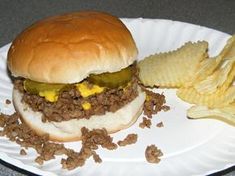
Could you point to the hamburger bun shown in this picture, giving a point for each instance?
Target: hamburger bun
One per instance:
(71, 130)
(67, 48)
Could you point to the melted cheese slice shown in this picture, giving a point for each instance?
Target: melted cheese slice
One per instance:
(83, 88)
(87, 91)
(86, 106)
(49, 95)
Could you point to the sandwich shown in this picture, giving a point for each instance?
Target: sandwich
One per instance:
(75, 70)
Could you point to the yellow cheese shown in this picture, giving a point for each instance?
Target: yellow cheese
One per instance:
(148, 98)
(52, 95)
(86, 91)
(86, 105)
(125, 88)
(49, 95)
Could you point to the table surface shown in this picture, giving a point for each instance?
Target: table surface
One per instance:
(15, 15)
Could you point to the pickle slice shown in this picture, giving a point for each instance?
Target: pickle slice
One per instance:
(112, 80)
(36, 87)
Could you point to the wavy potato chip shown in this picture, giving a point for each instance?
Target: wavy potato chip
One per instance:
(218, 78)
(215, 90)
(229, 49)
(205, 68)
(172, 69)
(226, 113)
(230, 108)
(209, 65)
(218, 99)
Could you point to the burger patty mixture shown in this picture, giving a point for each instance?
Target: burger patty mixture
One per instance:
(69, 103)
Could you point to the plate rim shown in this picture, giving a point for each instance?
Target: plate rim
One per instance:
(17, 163)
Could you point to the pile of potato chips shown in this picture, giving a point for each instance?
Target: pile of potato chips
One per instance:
(201, 80)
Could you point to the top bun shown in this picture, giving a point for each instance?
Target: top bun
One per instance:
(67, 48)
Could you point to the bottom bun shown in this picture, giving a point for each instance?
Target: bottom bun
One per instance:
(71, 130)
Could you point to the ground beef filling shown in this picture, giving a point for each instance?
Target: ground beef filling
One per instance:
(69, 103)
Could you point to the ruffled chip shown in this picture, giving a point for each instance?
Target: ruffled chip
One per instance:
(226, 114)
(218, 99)
(221, 76)
(209, 65)
(229, 49)
(172, 69)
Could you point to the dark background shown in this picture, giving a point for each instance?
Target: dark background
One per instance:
(15, 15)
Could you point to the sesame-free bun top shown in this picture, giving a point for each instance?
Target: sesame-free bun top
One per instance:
(67, 48)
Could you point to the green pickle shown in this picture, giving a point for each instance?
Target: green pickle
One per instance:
(36, 87)
(112, 80)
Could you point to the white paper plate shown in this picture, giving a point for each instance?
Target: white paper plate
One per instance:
(190, 147)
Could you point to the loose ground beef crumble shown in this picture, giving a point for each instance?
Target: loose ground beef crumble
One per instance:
(130, 139)
(154, 103)
(160, 125)
(145, 123)
(8, 101)
(91, 140)
(152, 154)
(23, 152)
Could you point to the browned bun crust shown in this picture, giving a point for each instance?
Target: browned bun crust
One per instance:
(67, 48)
